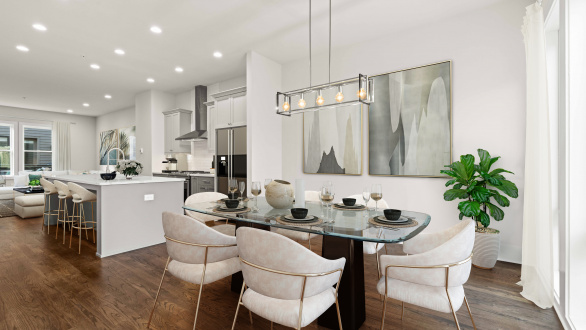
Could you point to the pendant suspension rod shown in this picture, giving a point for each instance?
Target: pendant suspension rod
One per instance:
(330, 48)
(309, 43)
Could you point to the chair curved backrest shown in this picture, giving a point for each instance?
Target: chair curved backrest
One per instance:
(80, 193)
(457, 247)
(62, 189)
(278, 253)
(180, 229)
(202, 198)
(312, 196)
(48, 186)
(382, 204)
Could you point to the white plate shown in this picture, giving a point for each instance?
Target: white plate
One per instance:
(355, 206)
(222, 208)
(398, 221)
(306, 219)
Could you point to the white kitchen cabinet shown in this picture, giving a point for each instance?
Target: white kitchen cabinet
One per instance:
(177, 123)
(230, 108)
(212, 113)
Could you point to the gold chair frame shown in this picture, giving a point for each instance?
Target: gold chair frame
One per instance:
(203, 274)
(82, 224)
(48, 212)
(447, 268)
(305, 276)
(67, 219)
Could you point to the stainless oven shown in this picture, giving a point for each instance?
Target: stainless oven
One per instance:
(186, 182)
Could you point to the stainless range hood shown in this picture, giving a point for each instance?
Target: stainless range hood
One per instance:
(200, 118)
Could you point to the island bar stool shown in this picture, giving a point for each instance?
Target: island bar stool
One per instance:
(64, 195)
(50, 190)
(81, 195)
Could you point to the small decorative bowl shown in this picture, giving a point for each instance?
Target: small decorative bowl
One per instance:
(108, 176)
(392, 214)
(299, 213)
(349, 201)
(232, 203)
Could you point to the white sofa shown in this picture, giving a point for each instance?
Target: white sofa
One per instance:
(29, 206)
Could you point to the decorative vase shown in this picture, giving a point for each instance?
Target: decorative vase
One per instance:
(486, 249)
(128, 176)
(280, 194)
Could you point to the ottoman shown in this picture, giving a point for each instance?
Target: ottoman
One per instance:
(29, 206)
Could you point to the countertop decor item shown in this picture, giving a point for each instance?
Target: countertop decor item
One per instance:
(108, 176)
(392, 214)
(481, 190)
(232, 203)
(349, 201)
(280, 194)
(129, 168)
(299, 213)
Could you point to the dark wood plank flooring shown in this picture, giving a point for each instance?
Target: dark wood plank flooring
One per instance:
(46, 285)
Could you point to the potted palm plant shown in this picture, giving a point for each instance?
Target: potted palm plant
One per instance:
(482, 192)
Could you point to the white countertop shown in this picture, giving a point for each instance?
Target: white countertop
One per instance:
(95, 179)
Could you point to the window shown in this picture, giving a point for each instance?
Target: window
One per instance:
(6, 149)
(38, 154)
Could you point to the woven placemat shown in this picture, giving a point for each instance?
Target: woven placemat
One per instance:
(317, 221)
(411, 223)
(337, 207)
(246, 210)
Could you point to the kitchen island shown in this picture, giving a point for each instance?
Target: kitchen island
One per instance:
(128, 212)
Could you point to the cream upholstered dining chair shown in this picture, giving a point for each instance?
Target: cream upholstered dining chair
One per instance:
(49, 190)
(203, 197)
(285, 283)
(197, 254)
(433, 278)
(310, 196)
(80, 196)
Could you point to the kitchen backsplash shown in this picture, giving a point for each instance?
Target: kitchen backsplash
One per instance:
(200, 158)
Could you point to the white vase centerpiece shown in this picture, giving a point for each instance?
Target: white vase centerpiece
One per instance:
(279, 194)
(129, 168)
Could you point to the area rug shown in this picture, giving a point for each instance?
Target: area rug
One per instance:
(6, 208)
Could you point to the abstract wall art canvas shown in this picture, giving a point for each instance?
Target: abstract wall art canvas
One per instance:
(332, 141)
(127, 142)
(123, 138)
(108, 141)
(410, 122)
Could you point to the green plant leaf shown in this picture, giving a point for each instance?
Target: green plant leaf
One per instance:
(461, 216)
(468, 162)
(459, 171)
(449, 173)
(469, 208)
(452, 194)
(480, 194)
(458, 186)
(483, 218)
(472, 185)
(495, 212)
(508, 188)
(451, 182)
(499, 170)
(484, 160)
(493, 160)
(501, 200)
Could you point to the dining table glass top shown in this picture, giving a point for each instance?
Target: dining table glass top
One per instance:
(341, 223)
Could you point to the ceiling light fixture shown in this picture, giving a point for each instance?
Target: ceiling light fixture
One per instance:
(69, 110)
(39, 27)
(86, 105)
(151, 80)
(108, 96)
(22, 48)
(156, 29)
(217, 55)
(178, 69)
(119, 51)
(363, 85)
(94, 66)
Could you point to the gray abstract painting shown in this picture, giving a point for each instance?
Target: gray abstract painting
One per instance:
(410, 122)
(332, 141)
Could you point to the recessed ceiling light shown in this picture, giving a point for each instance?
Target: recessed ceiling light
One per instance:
(39, 27)
(86, 105)
(22, 48)
(156, 29)
(94, 66)
(69, 110)
(178, 69)
(217, 54)
(151, 80)
(108, 96)
(119, 51)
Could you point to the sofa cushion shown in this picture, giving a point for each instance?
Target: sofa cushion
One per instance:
(21, 180)
(30, 200)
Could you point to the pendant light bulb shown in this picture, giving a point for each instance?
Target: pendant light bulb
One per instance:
(361, 94)
(301, 102)
(320, 99)
(340, 95)
(286, 105)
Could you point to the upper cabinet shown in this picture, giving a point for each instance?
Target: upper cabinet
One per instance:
(211, 124)
(230, 108)
(177, 123)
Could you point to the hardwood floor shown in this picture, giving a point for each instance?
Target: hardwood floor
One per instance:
(46, 285)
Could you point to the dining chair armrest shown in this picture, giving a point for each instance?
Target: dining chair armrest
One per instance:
(420, 243)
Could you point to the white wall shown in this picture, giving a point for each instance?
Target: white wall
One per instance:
(488, 90)
(84, 153)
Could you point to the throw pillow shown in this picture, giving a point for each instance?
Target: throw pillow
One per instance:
(21, 180)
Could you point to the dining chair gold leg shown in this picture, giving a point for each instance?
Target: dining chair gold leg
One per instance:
(339, 317)
(309, 240)
(402, 309)
(453, 312)
(250, 315)
(271, 325)
(203, 275)
(378, 271)
(382, 325)
(469, 312)
(159, 290)
(386, 252)
(238, 306)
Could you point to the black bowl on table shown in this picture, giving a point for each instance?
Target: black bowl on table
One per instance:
(349, 201)
(299, 213)
(232, 203)
(108, 176)
(392, 214)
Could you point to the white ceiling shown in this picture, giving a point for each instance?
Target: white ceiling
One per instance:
(55, 74)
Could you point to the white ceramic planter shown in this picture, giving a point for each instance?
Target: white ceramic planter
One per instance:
(486, 250)
(280, 194)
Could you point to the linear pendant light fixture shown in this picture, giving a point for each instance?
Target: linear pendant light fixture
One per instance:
(324, 96)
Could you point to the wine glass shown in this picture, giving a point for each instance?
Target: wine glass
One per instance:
(376, 194)
(267, 181)
(255, 190)
(232, 186)
(242, 186)
(326, 196)
(366, 196)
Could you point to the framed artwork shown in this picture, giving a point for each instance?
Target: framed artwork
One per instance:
(108, 141)
(127, 142)
(332, 141)
(410, 122)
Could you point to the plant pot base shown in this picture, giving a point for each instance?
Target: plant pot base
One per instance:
(486, 250)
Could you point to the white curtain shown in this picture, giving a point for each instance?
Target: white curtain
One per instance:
(62, 146)
(537, 270)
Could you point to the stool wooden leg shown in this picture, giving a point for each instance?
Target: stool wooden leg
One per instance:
(71, 231)
(94, 223)
(49, 215)
(58, 214)
(66, 217)
(44, 208)
(84, 221)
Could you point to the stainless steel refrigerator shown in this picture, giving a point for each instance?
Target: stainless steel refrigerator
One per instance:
(230, 157)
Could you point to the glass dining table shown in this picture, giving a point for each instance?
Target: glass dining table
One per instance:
(344, 234)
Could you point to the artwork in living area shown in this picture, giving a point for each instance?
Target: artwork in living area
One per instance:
(332, 141)
(410, 122)
(123, 138)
